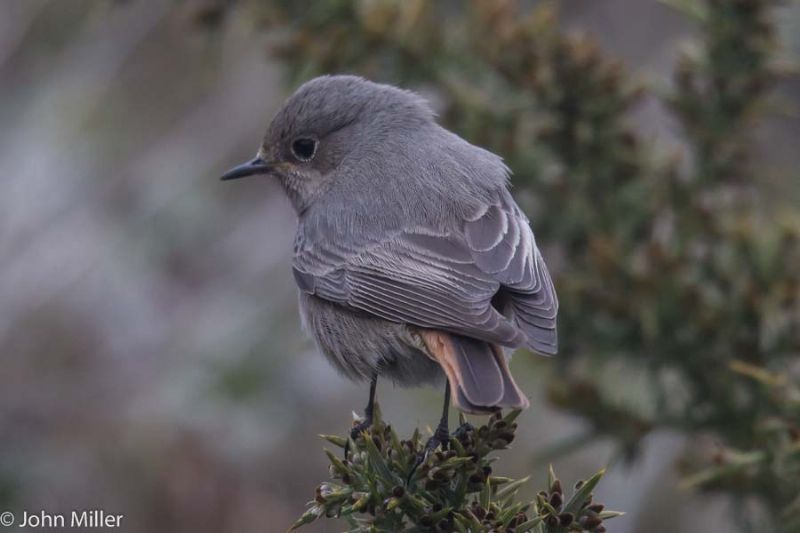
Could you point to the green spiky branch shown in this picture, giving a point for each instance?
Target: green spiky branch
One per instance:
(377, 486)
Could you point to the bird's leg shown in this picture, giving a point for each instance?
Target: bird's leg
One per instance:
(368, 411)
(442, 434)
(441, 437)
(367, 421)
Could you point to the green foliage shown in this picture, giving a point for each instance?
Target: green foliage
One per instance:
(672, 267)
(375, 487)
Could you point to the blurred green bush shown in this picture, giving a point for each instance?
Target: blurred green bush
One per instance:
(671, 266)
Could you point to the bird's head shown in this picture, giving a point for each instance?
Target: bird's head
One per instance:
(328, 121)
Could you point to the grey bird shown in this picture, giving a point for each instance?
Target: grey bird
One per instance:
(413, 261)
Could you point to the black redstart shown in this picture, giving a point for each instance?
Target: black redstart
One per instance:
(412, 259)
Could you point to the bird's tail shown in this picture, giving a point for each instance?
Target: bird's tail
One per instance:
(480, 381)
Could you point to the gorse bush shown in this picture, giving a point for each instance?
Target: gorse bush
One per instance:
(379, 485)
(671, 268)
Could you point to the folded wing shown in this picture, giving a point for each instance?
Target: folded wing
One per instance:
(444, 280)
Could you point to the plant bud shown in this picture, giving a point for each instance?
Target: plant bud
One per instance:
(556, 501)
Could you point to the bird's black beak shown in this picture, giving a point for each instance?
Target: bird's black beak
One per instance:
(251, 168)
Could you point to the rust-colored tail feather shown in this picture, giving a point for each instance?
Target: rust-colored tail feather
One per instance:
(478, 373)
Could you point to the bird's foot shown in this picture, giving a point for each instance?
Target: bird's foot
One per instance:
(440, 438)
(358, 427)
(463, 430)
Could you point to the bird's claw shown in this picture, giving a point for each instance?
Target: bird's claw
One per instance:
(360, 427)
(441, 437)
(463, 429)
(355, 431)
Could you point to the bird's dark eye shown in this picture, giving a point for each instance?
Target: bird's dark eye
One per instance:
(304, 148)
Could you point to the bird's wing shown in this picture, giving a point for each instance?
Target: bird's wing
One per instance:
(439, 280)
(503, 245)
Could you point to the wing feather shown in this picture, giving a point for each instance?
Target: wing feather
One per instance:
(444, 279)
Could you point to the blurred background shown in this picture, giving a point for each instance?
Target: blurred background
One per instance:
(151, 357)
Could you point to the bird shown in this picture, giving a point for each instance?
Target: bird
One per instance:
(413, 261)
